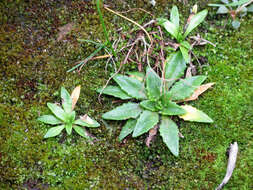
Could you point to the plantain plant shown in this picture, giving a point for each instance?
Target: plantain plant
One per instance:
(153, 101)
(65, 118)
(173, 28)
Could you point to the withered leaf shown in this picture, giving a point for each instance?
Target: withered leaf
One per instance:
(152, 133)
(75, 96)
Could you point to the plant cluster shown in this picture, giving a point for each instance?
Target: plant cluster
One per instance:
(157, 101)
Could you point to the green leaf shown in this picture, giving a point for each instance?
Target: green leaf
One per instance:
(193, 114)
(49, 119)
(87, 123)
(127, 129)
(126, 111)
(174, 68)
(131, 86)
(68, 127)
(222, 10)
(185, 87)
(186, 45)
(195, 21)
(115, 91)
(169, 132)
(172, 109)
(153, 82)
(81, 131)
(169, 27)
(58, 111)
(237, 3)
(146, 121)
(149, 105)
(138, 75)
(54, 131)
(174, 17)
(236, 24)
(250, 8)
(66, 100)
(185, 53)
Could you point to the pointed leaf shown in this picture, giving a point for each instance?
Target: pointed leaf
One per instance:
(195, 21)
(153, 84)
(149, 105)
(222, 10)
(185, 53)
(146, 121)
(201, 89)
(58, 111)
(81, 132)
(127, 129)
(114, 91)
(54, 131)
(174, 68)
(172, 109)
(66, 100)
(68, 127)
(138, 75)
(185, 87)
(131, 86)
(49, 119)
(236, 24)
(169, 27)
(193, 114)
(174, 17)
(169, 132)
(186, 45)
(75, 96)
(87, 121)
(126, 111)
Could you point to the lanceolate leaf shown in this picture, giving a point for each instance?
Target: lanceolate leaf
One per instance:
(169, 27)
(131, 86)
(115, 91)
(149, 105)
(172, 109)
(66, 100)
(68, 127)
(91, 122)
(138, 75)
(49, 119)
(58, 111)
(75, 96)
(195, 21)
(81, 131)
(185, 53)
(54, 131)
(127, 128)
(146, 121)
(174, 16)
(126, 111)
(169, 132)
(222, 10)
(193, 114)
(153, 82)
(174, 68)
(186, 45)
(185, 87)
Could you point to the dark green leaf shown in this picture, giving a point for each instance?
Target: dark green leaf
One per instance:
(126, 111)
(81, 132)
(127, 129)
(174, 17)
(66, 100)
(153, 82)
(68, 127)
(195, 21)
(174, 68)
(169, 132)
(149, 105)
(172, 109)
(169, 27)
(185, 53)
(58, 111)
(146, 121)
(49, 119)
(131, 86)
(54, 131)
(185, 87)
(115, 91)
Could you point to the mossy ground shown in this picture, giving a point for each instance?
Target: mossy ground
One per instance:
(33, 66)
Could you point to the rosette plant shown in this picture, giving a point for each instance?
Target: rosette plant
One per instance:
(153, 101)
(173, 28)
(64, 117)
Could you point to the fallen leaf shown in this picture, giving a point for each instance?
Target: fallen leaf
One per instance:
(75, 96)
(152, 133)
(64, 30)
(198, 92)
